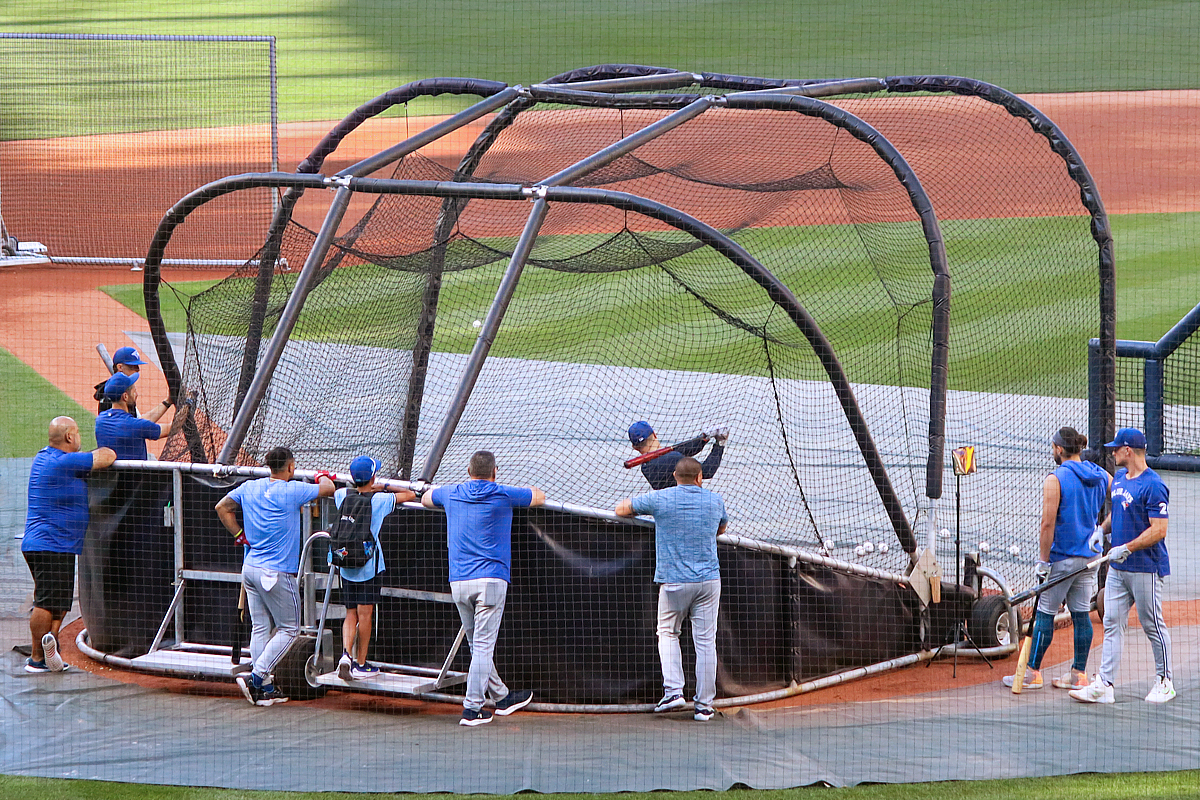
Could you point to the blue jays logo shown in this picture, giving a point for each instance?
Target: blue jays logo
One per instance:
(1125, 497)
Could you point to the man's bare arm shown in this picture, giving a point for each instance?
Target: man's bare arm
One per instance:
(1051, 496)
(1151, 536)
(625, 508)
(539, 497)
(227, 509)
(103, 457)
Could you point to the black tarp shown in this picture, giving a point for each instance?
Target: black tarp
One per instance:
(579, 623)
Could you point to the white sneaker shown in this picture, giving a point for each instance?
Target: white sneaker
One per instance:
(1033, 679)
(1095, 692)
(54, 660)
(344, 666)
(1163, 691)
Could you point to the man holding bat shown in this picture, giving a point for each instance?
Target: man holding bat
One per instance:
(126, 361)
(658, 462)
(1138, 524)
(1072, 499)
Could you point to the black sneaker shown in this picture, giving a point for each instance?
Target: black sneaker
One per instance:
(251, 692)
(670, 702)
(513, 701)
(269, 696)
(472, 717)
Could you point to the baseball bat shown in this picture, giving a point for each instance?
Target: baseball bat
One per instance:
(1021, 597)
(662, 451)
(106, 358)
(1026, 645)
(239, 621)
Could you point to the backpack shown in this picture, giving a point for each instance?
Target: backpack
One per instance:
(350, 539)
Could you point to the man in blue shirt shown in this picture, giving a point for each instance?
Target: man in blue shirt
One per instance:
(127, 361)
(1138, 525)
(361, 586)
(119, 429)
(1072, 499)
(55, 524)
(660, 473)
(687, 520)
(479, 538)
(271, 515)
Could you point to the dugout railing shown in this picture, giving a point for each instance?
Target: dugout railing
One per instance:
(154, 525)
(1164, 403)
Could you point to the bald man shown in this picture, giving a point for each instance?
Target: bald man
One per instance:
(54, 527)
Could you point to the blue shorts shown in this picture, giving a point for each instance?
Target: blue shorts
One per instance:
(361, 593)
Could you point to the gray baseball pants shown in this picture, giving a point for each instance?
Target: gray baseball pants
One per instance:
(480, 604)
(1122, 591)
(700, 602)
(274, 602)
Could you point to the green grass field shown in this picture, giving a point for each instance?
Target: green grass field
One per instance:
(30, 402)
(1134, 786)
(359, 305)
(334, 56)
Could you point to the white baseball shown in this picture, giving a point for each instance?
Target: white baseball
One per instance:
(883, 547)
(477, 323)
(1015, 550)
(869, 547)
(984, 547)
(860, 551)
(944, 533)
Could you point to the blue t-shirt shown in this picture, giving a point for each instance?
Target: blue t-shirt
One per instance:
(479, 527)
(1082, 489)
(1136, 501)
(125, 433)
(686, 520)
(271, 517)
(57, 515)
(382, 504)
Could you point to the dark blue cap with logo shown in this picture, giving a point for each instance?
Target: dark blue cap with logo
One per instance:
(640, 432)
(1129, 437)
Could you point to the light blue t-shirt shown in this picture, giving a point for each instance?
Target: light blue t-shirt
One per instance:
(686, 520)
(57, 515)
(382, 504)
(125, 433)
(479, 527)
(271, 517)
(1136, 501)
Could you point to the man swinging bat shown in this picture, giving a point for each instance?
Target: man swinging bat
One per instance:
(658, 462)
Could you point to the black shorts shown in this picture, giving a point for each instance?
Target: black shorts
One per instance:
(361, 593)
(53, 580)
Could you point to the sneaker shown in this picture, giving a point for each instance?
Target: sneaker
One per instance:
(1033, 680)
(345, 665)
(53, 659)
(670, 702)
(1095, 692)
(367, 670)
(513, 701)
(269, 696)
(35, 666)
(1074, 679)
(1163, 691)
(473, 717)
(250, 690)
(703, 713)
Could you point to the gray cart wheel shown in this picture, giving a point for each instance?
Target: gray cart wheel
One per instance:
(292, 673)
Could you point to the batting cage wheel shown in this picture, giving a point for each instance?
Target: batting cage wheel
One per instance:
(292, 674)
(989, 622)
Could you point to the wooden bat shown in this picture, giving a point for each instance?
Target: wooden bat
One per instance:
(1023, 660)
(239, 621)
(662, 451)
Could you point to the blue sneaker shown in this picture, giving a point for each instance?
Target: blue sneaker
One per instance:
(703, 713)
(36, 667)
(670, 702)
(473, 717)
(366, 670)
(513, 701)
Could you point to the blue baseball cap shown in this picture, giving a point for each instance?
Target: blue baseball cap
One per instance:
(1129, 437)
(363, 469)
(640, 432)
(116, 386)
(128, 356)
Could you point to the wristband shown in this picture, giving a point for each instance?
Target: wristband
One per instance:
(167, 402)
(240, 537)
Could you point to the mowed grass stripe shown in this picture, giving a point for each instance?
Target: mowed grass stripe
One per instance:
(1014, 316)
(29, 402)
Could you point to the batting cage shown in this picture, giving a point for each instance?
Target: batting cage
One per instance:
(533, 274)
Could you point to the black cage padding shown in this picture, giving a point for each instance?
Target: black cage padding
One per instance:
(579, 626)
